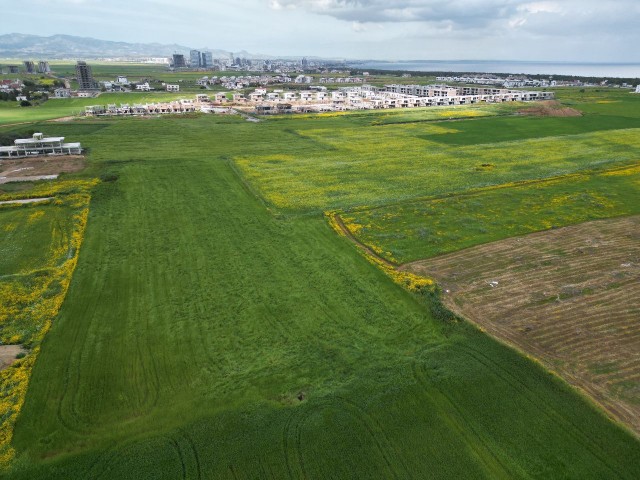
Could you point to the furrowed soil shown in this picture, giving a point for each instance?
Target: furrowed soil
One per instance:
(570, 297)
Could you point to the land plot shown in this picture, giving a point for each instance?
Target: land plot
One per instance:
(37, 166)
(349, 166)
(409, 231)
(510, 128)
(570, 297)
(196, 319)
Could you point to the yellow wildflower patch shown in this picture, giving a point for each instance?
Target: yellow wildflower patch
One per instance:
(29, 302)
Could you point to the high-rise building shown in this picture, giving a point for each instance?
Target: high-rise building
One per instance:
(206, 59)
(194, 59)
(85, 77)
(13, 68)
(29, 66)
(43, 67)
(305, 63)
(178, 61)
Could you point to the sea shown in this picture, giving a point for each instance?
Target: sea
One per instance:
(603, 70)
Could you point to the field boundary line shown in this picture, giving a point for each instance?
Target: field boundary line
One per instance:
(368, 250)
(498, 186)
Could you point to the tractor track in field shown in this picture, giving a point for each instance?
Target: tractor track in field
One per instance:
(379, 436)
(369, 251)
(462, 426)
(174, 444)
(293, 428)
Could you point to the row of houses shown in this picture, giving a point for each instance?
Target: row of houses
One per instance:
(145, 87)
(500, 94)
(340, 80)
(369, 97)
(201, 103)
(39, 145)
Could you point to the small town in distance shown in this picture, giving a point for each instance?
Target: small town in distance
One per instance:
(275, 86)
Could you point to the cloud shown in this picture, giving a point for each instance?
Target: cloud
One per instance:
(469, 14)
(545, 22)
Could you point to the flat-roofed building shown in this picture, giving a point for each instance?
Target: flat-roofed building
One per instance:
(195, 61)
(43, 67)
(40, 145)
(178, 61)
(29, 66)
(206, 59)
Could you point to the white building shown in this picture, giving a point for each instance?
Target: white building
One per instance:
(62, 93)
(172, 88)
(143, 87)
(638, 89)
(122, 80)
(40, 145)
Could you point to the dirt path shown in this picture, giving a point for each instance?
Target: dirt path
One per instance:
(361, 245)
(8, 355)
(26, 200)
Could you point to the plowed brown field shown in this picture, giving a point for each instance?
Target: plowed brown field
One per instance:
(569, 297)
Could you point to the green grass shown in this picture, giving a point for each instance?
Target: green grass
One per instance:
(340, 165)
(505, 129)
(210, 293)
(30, 234)
(601, 101)
(420, 229)
(12, 112)
(195, 318)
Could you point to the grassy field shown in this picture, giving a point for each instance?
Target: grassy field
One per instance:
(569, 296)
(337, 162)
(216, 327)
(12, 112)
(419, 229)
(39, 247)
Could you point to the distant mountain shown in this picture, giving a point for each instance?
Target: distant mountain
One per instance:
(18, 45)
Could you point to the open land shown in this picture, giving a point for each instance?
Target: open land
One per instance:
(216, 327)
(24, 168)
(568, 296)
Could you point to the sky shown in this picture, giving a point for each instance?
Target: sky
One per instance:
(553, 30)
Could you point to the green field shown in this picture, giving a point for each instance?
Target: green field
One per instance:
(337, 164)
(216, 327)
(426, 228)
(12, 112)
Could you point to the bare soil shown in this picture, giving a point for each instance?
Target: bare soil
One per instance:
(550, 108)
(8, 355)
(569, 297)
(39, 166)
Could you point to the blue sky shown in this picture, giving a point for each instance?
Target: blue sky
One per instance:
(549, 30)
